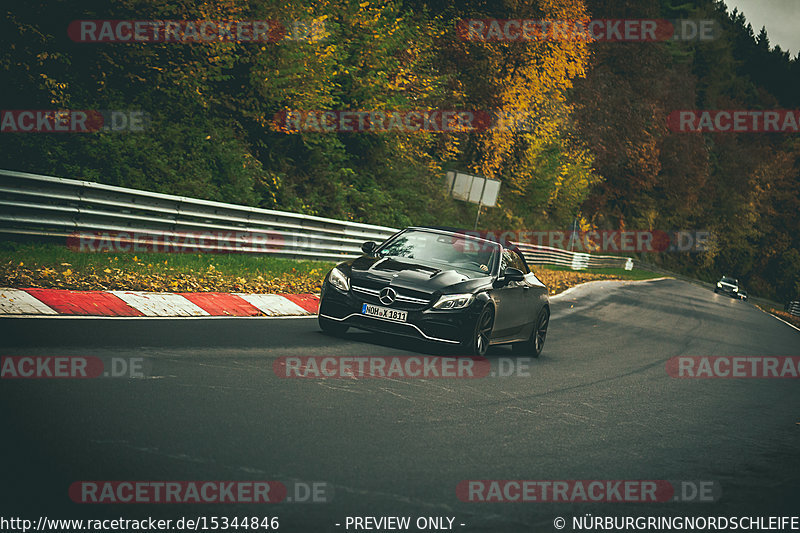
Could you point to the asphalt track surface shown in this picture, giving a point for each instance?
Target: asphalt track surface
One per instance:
(598, 404)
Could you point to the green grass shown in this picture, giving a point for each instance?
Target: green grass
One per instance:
(635, 274)
(245, 265)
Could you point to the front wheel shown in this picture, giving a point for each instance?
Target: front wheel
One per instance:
(535, 344)
(478, 342)
(331, 327)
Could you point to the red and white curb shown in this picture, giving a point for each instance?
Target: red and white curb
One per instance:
(56, 302)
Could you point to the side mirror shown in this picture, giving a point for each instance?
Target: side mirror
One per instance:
(369, 247)
(513, 274)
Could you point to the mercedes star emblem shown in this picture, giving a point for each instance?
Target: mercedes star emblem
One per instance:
(387, 296)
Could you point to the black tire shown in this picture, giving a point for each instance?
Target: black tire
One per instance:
(535, 344)
(716, 291)
(332, 327)
(478, 341)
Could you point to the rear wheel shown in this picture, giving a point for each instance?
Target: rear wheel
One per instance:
(332, 327)
(535, 344)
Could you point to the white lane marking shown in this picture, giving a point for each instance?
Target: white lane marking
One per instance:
(779, 318)
(584, 284)
(17, 302)
(274, 304)
(211, 317)
(576, 287)
(160, 303)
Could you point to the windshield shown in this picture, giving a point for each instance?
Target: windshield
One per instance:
(454, 251)
(729, 280)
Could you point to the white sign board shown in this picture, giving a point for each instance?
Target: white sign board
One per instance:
(462, 186)
(490, 193)
(475, 189)
(451, 177)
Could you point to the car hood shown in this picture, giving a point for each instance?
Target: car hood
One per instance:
(414, 275)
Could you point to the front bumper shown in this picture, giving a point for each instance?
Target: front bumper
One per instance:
(729, 291)
(446, 326)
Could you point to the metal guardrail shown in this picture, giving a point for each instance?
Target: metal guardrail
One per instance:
(545, 255)
(45, 206)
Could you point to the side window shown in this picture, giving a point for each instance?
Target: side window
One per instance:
(512, 259)
(505, 261)
(523, 266)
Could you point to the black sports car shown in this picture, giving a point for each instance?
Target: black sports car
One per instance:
(439, 285)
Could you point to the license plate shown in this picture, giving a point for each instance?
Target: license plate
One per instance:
(384, 312)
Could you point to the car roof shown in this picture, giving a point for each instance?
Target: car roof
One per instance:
(508, 245)
(467, 233)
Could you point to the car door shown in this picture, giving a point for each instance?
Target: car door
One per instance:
(535, 297)
(509, 299)
(531, 300)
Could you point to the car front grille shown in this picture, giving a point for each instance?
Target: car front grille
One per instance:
(405, 300)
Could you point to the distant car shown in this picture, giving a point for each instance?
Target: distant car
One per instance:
(439, 285)
(730, 286)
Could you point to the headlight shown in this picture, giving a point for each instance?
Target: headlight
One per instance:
(719, 284)
(454, 301)
(736, 289)
(339, 280)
